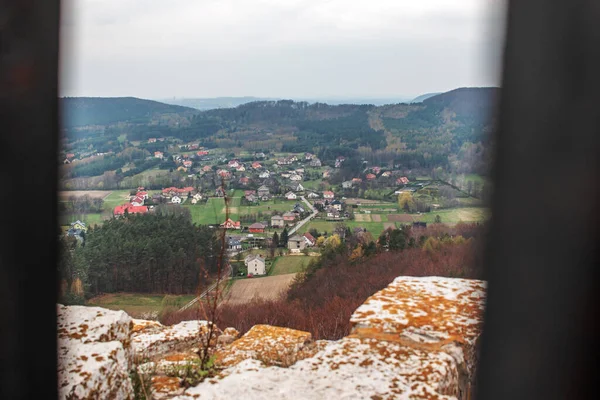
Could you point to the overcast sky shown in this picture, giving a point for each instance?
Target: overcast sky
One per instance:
(278, 48)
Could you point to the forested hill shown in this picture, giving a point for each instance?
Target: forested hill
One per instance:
(82, 111)
(423, 97)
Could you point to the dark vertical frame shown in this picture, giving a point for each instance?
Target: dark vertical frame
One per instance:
(29, 33)
(540, 337)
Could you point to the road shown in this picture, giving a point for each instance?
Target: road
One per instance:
(305, 220)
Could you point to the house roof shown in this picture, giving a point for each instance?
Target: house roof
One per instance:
(296, 238)
(256, 225)
(263, 187)
(328, 193)
(290, 194)
(310, 237)
(276, 217)
(252, 257)
(137, 199)
(131, 209)
(289, 214)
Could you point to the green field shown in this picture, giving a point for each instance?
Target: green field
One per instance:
(136, 304)
(289, 265)
(455, 215)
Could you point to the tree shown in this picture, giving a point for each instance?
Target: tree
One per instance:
(283, 240)
(406, 202)
(438, 219)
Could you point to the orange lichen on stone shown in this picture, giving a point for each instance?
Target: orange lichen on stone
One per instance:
(166, 384)
(268, 344)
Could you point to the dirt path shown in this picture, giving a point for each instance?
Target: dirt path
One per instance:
(268, 288)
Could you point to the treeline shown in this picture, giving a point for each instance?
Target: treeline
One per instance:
(322, 300)
(162, 253)
(97, 167)
(81, 205)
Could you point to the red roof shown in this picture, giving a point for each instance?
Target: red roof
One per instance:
(141, 194)
(403, 180)
(371, 176)
(137, 199)
(70, 155)
(202, 153)
(131, 209)
(310, 237)
(328, 193)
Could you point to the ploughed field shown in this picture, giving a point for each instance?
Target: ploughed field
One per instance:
(268, 288)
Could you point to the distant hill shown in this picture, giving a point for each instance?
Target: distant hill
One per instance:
(424, 97)
(214, 102)
(81, 111)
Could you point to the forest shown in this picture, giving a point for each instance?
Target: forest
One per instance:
(152, 253)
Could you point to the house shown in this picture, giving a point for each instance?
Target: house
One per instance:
(263, 191)
(193, 146)
(386, 174)
(370, 177)
(206, 168)
(298, 208)
(315, 163)
(356, 180)
(308, 156)
(332, 213)
(290, 196)
(233, 244)
(193, 201)
(240, 168)
(230, 224)
(197, 197)
(176, 200)
(152, 140)
(289, 216)
(66, 161)
(244, 181)
(296, 243)
(292, 158)
(347, 185)
(256, 165)
(285, 174)
(70, 156)
(249, 192)
(187, 164)
(224, 174)
(277, 221)
(256, 264)
(137, 201)
(220, 192)
(78, 225)
(142, 194)
(130, 209)
(376, 170)
(328, 195)
(326, 174)
(256, 228)
(259, 155)
(295, 178)
(339, 161)
(402, 180)
(283, 161)
(336, 204)
(265, 175)
(251, 198)
(233, 164)
(202, 153)
(299, 171)
(297, 187)
(313, 195)
(158, 154)
(310, 239)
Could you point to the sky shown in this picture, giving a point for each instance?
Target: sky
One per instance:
(160, 49)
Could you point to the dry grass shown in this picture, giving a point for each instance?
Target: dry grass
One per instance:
(268, 288)
(96, 194)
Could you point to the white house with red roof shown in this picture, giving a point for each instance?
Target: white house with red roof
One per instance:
(328, 195)
(159, 154)
(402, 180)
(230, 224)
(310, 239)
(137, 201)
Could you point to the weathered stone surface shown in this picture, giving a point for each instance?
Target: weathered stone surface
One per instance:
(345, 369)
(269, 344)
(93, 324)
(430, 313)
(93, 353)
(151, 340)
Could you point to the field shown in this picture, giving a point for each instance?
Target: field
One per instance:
(90, 219)
(455, 215)
(99, 194)
(136, 304)
(270, 288)
(289, 265)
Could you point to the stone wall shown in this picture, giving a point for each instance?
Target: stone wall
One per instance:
(415, 339)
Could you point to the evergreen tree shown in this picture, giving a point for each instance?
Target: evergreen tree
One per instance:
(283, 240)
